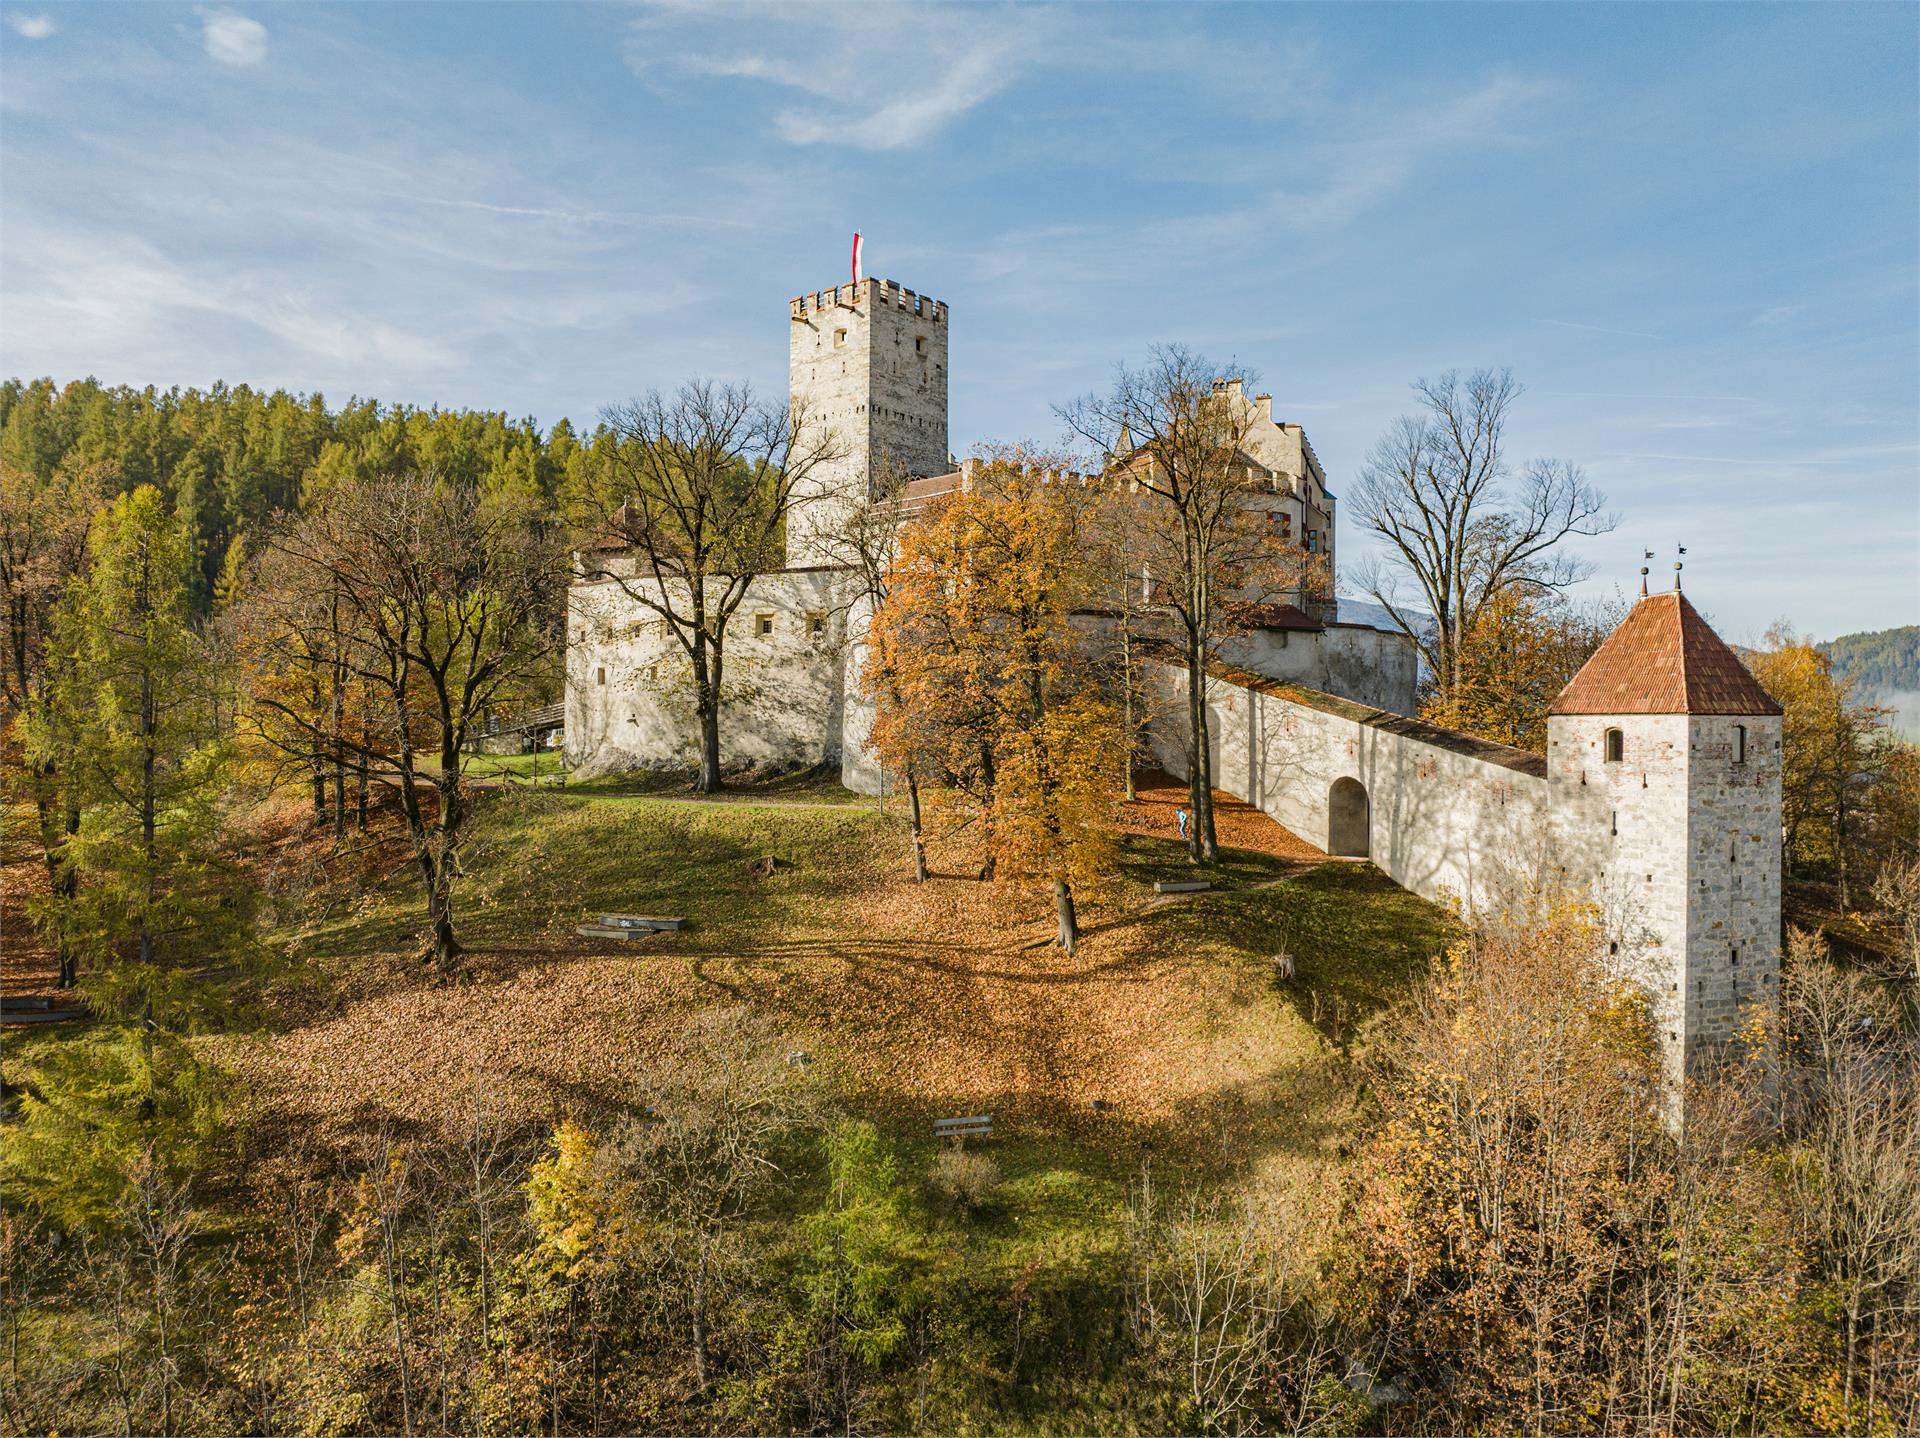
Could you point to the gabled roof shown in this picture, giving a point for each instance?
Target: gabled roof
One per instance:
(1664, 659)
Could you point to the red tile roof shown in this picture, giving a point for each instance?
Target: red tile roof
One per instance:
(1664, 659)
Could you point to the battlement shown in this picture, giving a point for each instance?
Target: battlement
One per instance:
(872, 293)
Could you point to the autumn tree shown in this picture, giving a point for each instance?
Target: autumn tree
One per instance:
(133, 719)
(1458, 525)
(445, 602)
(1518, 654)
(1835, 750)
(43, 542)
(980, 676)
(863, 541)
(694, 498)
(1175, 433)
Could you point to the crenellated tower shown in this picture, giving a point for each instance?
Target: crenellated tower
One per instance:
(869, 361)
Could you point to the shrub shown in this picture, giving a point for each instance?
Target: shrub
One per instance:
(963, 1181)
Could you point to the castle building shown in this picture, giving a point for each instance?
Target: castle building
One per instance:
(868, 364)
(1659, 795)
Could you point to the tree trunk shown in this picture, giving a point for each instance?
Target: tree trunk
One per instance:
(360, 776)
(709, 780)
(1069, 921)
(919, 835)
(1202, 845)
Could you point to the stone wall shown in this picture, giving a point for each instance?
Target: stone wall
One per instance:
(1445, 815)
(1353, 661)
(629, 690)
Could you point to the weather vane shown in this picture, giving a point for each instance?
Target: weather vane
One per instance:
(1677, 567)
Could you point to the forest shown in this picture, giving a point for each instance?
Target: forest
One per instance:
(1389, 1170)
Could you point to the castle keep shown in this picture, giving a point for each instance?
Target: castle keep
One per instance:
(1659, 795)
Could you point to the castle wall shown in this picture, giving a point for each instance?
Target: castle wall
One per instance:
(1353, 661)
(1459, 817)
(629, 692)
(1677, 842)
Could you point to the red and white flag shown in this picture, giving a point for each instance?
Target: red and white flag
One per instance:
(856, 257)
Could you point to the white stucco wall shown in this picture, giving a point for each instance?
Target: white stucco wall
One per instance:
(629, 691)
(1460, 818)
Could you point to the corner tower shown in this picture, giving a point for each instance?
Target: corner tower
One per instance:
(1663, 764)
(869, 361)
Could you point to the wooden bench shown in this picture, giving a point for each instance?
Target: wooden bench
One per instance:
(629, 926)
(960, 1129)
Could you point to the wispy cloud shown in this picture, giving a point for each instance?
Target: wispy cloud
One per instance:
(233, 39)
(1604, 330)
(875, 78)
(1778, 315)
(32, 27)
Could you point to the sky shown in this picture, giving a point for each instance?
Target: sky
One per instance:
(1693, 232)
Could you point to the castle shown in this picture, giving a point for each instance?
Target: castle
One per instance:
(1659, 795)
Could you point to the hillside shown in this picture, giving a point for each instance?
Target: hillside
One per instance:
(917, 1001)
(1885, 661)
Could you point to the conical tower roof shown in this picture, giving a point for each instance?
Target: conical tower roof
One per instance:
(1664, 659)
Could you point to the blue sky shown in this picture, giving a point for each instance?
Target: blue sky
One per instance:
(1692, 231)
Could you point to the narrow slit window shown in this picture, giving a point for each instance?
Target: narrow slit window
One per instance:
(1739, 743)
(600, 676)
(1616, 746)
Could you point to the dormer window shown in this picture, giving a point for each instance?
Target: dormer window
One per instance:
(1615, 746)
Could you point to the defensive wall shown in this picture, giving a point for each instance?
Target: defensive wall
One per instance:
(1439, 813)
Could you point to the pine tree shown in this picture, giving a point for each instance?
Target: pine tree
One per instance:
(134, 709)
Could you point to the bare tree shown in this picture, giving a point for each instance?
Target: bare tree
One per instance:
(1439, 489)
(1174, 433)
(717, 1107)
(698, 498)
(1851, 1098)
(442, 602)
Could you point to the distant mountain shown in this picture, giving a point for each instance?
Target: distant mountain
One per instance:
(1885, 665)
(1886, 661)
(1365, 611)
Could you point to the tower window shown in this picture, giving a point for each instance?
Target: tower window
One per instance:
(599, 676)
(839, 338)
(817, 625)
(1616, 746)
(1739, 743)
(763, 624)
(919, 344)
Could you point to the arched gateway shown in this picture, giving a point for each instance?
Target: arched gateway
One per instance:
(1347, 820)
